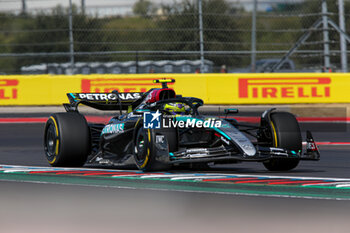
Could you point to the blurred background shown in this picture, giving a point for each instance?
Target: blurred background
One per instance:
(173, 36)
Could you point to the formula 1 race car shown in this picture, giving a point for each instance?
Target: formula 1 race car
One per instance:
(160, 130)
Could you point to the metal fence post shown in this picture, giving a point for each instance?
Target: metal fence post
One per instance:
(71, 41)
(253, 46)
(343, 47)
(137, 62)
(201, 40)
(24, 7)
(83, 7)
(325, 36)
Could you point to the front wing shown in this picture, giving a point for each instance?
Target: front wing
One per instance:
(223, 154)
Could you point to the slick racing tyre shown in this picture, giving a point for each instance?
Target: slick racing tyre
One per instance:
(67, 140)
(285, 134)
(145, 151)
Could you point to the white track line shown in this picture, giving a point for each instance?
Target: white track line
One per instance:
(197, 177)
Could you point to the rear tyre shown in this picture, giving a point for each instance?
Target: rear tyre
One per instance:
(145, 151)
(67, 140)
(285, 134)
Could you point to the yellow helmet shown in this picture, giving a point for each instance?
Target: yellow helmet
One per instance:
(175, 108)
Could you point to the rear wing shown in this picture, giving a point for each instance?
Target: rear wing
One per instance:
(111, 101)
(104, 101)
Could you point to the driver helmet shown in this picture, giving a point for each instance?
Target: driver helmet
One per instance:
(175, 108)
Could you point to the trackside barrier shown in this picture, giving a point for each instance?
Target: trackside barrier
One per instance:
(212, 88)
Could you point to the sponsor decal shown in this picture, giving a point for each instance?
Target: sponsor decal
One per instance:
(274, 88)
(225, 140)
(155, 120)
(119, 84)
(311, 146)
(113, 128)
(197, 152)
(108, 96)
(240, 139)
(133, 115)
(8, 89)
(246, 146)
(160, 139)
(152, 120)
(188, 122)
(151, 95)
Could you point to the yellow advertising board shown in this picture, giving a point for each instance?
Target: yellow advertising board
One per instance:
(277, 88)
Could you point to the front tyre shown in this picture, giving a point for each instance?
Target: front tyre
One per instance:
(67, 140)
(145, 151)
(285, 133)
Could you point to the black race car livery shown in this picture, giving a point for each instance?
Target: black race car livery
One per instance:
(158, 130)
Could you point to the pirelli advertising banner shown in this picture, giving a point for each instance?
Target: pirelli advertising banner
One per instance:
(212, 88)
(279, 88)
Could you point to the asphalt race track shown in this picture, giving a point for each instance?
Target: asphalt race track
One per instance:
(241, 197)
(22, 144)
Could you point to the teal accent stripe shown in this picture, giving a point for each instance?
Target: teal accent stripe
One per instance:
(74, 98)
(142, 110)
